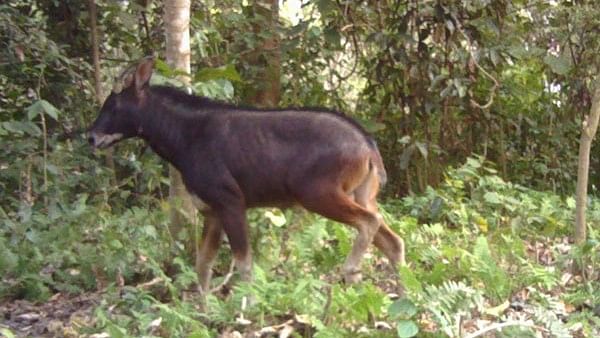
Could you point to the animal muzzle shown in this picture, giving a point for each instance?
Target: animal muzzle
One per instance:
(98, 140)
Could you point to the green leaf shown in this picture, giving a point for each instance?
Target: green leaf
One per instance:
(228, 72)
(115, 331)
(276, 217)
(497, 311)
(333, 37)
(436, 207)
(460, 87)
(42, 106)
(150, 231)
(403, 308)
(518, 51)
(495, 57)
(372, 126)
(481, 250)
(19, 127)
(492, 197)
(571, 202)
(325, 6)
(200, 333)
(407, 328)
(409, 280)
(422, 148)
(559, 65)
(116, 244)
(163, 68)
(7, 333)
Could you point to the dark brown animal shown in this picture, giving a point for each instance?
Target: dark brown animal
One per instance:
(232, 159)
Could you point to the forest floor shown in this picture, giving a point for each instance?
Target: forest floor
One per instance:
(486, 258)
(61, 315)
(64, 315)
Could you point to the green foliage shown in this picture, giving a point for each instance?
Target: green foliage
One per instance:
(137, 313)
(485, 240)
(402, 311)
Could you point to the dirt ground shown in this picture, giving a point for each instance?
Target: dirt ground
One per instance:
(60, 316)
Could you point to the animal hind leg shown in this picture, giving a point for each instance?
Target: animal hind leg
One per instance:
(335, 204)
(385, 240)
(390, 244)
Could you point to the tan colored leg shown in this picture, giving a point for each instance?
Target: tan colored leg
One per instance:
(385, 240)
(212, 236)
(367, 228)
(390, 244)
(334, 204)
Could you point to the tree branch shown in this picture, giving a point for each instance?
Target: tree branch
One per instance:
(474, 58)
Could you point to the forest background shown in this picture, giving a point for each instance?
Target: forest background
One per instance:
(477, 107)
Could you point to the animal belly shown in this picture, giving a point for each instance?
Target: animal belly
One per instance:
(267, 196)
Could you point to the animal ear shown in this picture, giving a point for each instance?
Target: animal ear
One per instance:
(143, 73)
(122, 81)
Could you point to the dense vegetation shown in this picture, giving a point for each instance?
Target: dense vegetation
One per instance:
(476, 105)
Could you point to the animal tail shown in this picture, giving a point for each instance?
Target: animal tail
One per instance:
(377, 163)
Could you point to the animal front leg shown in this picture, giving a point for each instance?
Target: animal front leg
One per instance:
(212, 235)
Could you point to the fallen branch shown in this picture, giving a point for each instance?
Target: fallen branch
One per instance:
(150, 283)
(498, 326)
(225, 280)
(284, 329)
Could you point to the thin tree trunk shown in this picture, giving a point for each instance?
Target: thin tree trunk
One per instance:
(177, 29)
(502, 145)
(95, 50)
(588, 131)
(97, 76)
(267, 87)
(101, 280)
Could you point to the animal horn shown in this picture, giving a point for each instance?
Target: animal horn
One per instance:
(124, 80)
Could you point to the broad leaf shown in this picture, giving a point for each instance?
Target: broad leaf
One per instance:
(42, 106)
(403, 308)
(559, 65)
(207, 74)
(407, 328)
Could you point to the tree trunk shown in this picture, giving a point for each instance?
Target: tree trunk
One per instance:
(95, 50)
(101, 280)
(267, 56)
(110, 163)
(177, 30)
(588, 130)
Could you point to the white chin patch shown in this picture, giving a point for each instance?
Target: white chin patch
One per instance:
(105, 140)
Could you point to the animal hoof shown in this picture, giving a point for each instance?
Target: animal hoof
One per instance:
(352, 277)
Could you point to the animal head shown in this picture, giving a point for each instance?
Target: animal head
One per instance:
(120, 114)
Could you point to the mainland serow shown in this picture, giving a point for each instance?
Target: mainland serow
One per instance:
(233, 158)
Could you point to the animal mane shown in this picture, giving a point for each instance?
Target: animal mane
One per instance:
(181, 96)
(192, 100)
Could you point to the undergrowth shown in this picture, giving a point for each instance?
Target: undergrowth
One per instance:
(481, 251)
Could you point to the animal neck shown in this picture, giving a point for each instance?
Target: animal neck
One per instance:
(166, 128)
